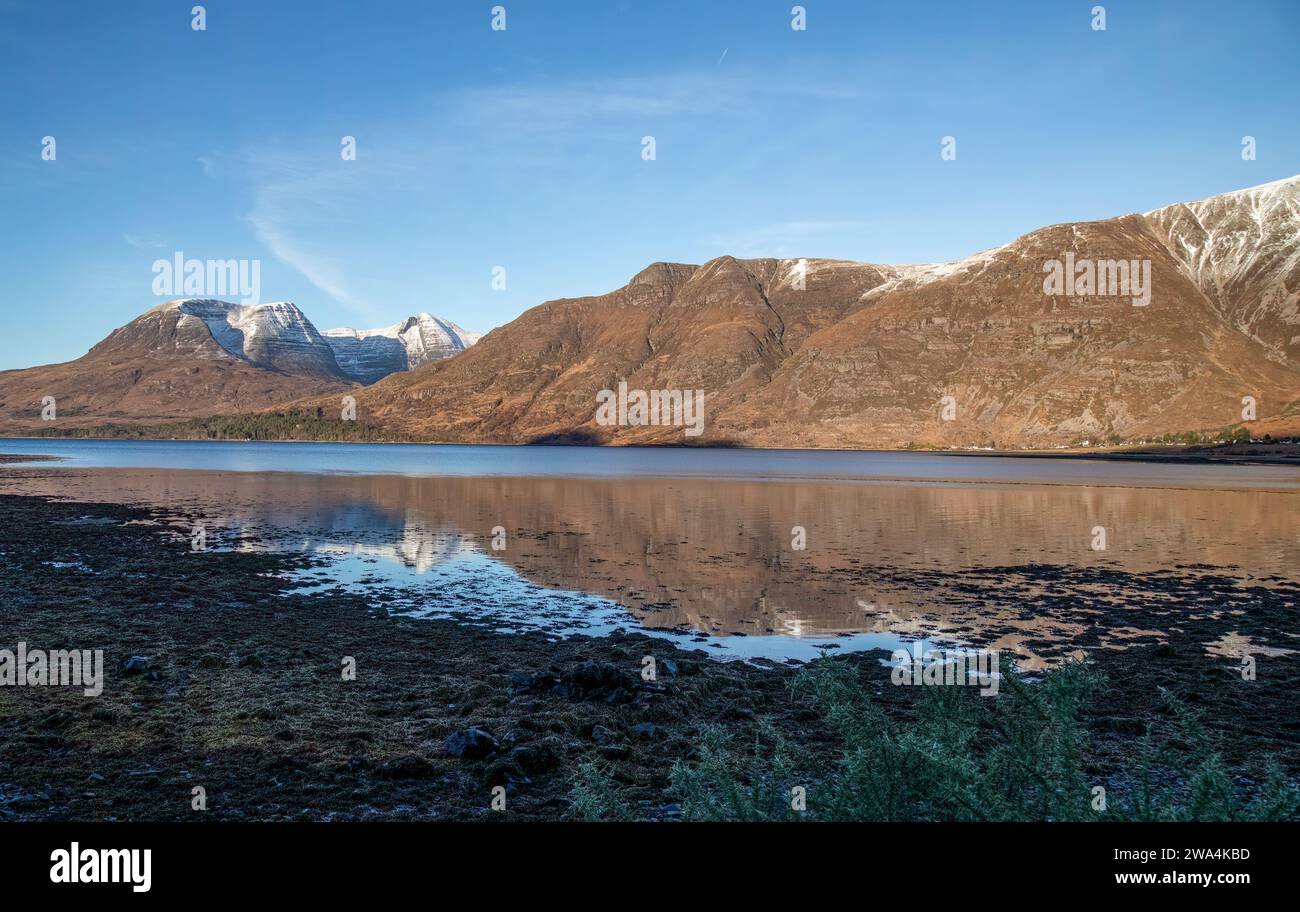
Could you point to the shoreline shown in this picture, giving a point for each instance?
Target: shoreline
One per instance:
(1174, 454)
(241, 694)
(15, 462)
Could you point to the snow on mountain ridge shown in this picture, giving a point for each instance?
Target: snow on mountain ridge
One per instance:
(278, 336)
(275, 335)
(1286, 187)
(1242, 250)
(368, 355)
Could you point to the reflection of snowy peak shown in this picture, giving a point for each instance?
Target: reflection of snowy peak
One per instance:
(368, 355)
(420, 548)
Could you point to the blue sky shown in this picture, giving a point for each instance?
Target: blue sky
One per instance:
(522, 148)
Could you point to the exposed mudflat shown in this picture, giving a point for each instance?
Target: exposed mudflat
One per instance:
(242, 693)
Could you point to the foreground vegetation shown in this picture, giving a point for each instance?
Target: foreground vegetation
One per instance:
(1021, 756)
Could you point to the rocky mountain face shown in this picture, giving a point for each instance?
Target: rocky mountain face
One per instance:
(371, 354)
(182, 359)
(1184, 318)
(276, 336)
(198, 357)
(128, 388)
(974, 353)
(1242, 251)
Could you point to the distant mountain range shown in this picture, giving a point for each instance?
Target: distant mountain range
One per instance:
(199, 357)
(831, 353)
(1132, 328)
(278, 336)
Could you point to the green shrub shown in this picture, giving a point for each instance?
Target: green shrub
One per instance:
(595, 797)
(1018, 756)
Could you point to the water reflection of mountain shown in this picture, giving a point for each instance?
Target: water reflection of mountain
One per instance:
(418, 546)
(718, 556)
(339, 527)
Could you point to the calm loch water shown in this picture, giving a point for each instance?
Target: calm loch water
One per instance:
(703, 545)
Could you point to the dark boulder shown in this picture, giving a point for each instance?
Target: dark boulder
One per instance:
(471, 744)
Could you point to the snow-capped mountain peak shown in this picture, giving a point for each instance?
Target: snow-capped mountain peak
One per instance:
(1242, 250)
(367, 355)
(275, 335)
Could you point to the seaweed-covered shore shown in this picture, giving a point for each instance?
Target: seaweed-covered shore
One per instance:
(238, 690)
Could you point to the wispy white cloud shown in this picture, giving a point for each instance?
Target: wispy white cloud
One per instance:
(290, 203)
(145, 242)
(526, 132)
(556, 107)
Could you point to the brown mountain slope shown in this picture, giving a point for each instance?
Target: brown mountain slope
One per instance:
(1024, 369)
(725, 327)
(864, 355)
(1241, 251)
(808, 353)
(164, 365)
